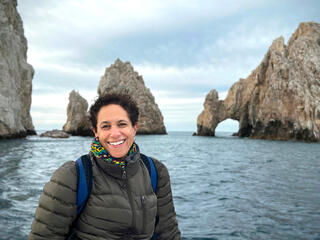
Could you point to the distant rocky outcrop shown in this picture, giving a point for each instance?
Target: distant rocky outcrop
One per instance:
(15, 75)
(55, 133)
(121, 77)
(78, 122)
(280, 99)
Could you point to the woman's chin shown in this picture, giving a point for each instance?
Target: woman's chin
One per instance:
(118, 154)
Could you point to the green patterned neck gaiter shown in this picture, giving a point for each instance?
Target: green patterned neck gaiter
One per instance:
(100, 152)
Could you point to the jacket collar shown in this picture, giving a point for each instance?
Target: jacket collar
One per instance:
(115, 170)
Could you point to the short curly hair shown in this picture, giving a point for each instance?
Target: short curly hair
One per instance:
(123, 100)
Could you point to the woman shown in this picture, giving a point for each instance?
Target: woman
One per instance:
(122, 204)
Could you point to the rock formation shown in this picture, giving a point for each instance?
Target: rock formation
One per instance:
(120, 77)
(78, 122)
(280, 99)
(55, 133)
(15, 75)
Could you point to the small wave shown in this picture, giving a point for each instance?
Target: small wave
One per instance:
(5, 204)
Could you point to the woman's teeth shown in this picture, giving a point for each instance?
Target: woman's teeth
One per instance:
(116, 143)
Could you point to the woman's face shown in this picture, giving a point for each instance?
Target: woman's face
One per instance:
(115, 130)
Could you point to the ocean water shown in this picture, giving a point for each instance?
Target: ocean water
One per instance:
(224, 187)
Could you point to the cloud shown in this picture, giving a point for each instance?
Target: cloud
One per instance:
(194, 80)
(248, 37)
(121, 16)
(70, 70)
(223, 95)
(49, 110)
(74, 26)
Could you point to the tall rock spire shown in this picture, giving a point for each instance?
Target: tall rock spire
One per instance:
(78, 121)
(15, 75)
(120, 77)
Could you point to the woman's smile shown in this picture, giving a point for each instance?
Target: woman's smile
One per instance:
(117, 144)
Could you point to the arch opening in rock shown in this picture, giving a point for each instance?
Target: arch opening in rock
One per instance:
(227, 127)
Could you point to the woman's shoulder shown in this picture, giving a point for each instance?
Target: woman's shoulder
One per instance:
(161, 168)
(66, 174)
(158, 163)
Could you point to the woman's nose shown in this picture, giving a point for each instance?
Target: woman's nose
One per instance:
(115, 132)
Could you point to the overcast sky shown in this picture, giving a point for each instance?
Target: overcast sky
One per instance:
(182, 49)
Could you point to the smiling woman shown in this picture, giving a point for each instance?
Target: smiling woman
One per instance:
(123, 203)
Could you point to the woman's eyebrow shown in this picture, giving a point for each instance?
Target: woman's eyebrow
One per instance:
(104, 122)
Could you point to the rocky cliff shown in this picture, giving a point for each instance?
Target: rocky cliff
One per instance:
(78, 122)
(121, 77)
(280, 99)
(15, 75)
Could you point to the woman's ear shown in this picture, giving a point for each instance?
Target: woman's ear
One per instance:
(94, 131)
(135, 127)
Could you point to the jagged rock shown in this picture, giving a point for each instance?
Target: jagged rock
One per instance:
(121, 77)
(210, 116)
(55, 133)
(280, 99)
(15, 75)
(78, 122)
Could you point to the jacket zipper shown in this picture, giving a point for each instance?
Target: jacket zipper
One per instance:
(144, 212)
(124, 177)
(124, 174)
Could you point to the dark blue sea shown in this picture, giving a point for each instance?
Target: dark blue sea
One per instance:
(224, 187)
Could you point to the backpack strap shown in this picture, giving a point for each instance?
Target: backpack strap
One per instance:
(154, 178)
(84, 171)
(152, 171)
(84, 186)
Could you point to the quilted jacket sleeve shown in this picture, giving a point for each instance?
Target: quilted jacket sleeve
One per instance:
(57, 205)
(167, 226)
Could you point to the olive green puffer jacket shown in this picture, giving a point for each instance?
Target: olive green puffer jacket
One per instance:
(122, 204)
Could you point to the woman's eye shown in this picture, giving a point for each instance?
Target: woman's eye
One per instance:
(105, 127)
(122, 124)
